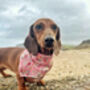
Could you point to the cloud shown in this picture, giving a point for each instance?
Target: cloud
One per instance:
(10, 42)
(3, 34)
(72, 17)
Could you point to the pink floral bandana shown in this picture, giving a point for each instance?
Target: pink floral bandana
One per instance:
(34, 66)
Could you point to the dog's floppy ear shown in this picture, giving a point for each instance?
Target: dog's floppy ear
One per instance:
(58, 35)
(57, 45)
(30, 42)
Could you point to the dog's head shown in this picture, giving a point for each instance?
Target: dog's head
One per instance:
(44, 36)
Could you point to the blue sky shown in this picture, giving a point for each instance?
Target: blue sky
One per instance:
(16, 16)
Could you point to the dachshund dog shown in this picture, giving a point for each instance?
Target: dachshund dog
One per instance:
(43, 38)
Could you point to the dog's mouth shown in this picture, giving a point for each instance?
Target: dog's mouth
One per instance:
(47, 51)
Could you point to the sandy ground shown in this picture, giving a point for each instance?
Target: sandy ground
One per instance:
(70, 71)
(70, 63)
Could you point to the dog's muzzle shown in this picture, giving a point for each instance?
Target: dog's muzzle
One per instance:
(49, 42)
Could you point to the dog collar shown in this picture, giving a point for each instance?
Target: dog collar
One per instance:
(34, 66)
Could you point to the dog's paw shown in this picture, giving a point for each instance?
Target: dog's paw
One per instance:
(41, 83)
(7, 75)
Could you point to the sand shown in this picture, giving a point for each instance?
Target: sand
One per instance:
(70, 63)
(70, 71)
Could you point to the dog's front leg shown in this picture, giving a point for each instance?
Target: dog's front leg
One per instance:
(21, 83)
(41, 83)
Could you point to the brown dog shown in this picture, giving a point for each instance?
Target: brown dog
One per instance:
(44, 38)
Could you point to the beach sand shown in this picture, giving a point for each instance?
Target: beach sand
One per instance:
(70, 71)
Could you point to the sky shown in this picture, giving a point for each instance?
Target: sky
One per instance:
(16, 16)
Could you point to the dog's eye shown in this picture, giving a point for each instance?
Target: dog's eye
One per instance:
(39, 27)
(54, 27)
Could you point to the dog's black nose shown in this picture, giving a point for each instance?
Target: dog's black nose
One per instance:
(49, 42)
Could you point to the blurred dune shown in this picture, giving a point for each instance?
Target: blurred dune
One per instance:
(84, 44)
